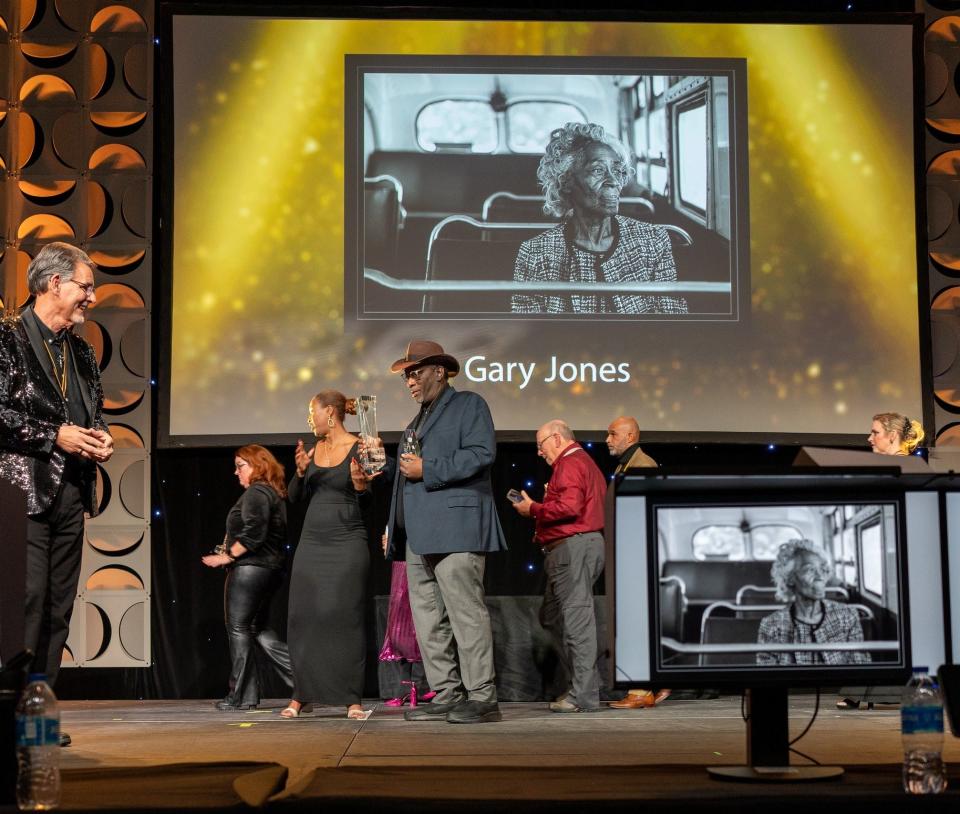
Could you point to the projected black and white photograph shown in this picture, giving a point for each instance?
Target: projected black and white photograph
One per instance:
(581, 194)
(803, 586)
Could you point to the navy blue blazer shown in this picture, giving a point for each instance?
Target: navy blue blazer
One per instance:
(452, 508)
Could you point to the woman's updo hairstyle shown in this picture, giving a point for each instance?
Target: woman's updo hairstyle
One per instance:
(340, 403)
(910, 430)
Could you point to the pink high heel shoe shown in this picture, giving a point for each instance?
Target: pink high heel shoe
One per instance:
(404, 699)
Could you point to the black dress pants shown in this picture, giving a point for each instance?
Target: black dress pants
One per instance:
(54, 551)
(247, 594)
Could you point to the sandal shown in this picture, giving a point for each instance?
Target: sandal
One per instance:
(294, 712)
(358, 713)
(848, 703)
(396, 702)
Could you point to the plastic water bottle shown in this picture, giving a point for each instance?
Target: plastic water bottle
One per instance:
(38, 747)
(921, 726)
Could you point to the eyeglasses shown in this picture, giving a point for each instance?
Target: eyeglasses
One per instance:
(86, 288)
(239, 465)
(543, 441)
(416, 374)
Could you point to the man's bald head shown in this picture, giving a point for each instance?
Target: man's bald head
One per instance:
(622, 434)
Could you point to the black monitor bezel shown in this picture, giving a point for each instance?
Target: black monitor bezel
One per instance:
(672, 490)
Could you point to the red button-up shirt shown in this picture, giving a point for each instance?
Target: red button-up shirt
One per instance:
(573, 503)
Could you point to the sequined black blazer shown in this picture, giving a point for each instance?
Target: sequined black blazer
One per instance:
(32, 410)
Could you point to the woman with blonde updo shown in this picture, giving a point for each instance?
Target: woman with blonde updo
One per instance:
(329, 576)
(894, 434)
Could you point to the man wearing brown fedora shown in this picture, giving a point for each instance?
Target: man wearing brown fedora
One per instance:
(444, 522)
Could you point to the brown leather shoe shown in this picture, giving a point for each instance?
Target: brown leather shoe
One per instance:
(661, 696)
(636, 699)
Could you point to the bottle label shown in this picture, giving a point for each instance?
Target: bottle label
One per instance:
(33, 730)
(915, 720)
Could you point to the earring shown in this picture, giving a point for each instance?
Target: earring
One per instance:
(330, 423)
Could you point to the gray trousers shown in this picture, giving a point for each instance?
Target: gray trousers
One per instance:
(452, 624)
(568, 612)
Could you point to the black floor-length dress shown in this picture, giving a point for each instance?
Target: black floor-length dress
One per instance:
(325, 629)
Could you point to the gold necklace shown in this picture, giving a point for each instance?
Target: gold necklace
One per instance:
(328, 447)
(61, 377)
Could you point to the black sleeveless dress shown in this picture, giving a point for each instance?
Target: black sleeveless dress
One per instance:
(325, 629)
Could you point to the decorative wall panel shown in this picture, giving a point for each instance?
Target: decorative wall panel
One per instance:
(76, 152)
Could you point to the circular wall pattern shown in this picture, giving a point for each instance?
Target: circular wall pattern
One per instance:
(133, 347)
(113, 542)
(98, 630)
(131, 631)
(125, 437)
(77, 152)
(114, 578)
(132, 488)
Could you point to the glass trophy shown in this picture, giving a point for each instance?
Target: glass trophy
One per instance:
(410, 445)
(373, 457)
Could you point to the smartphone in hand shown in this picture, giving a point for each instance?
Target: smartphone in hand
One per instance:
(514, 496)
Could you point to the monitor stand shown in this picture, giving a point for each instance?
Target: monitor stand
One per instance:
(768, 745)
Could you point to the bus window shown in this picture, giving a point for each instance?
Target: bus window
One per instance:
(849, 573)
(369, 134)
(871, 558)
(691, 156)
(765, 541)
(657, 150)
(529, 124)
(457, 124)
(718, 542)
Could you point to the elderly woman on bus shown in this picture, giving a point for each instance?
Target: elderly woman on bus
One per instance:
(800, 574)
(582, 174)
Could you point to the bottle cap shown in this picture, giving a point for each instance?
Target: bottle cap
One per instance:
(31, 677)
(921, 669)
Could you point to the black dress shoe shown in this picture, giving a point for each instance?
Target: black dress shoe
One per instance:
(228, 705)
(430, 712)
(475, 712)
(65, 739)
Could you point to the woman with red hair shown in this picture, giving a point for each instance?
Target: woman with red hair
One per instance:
(252, 553)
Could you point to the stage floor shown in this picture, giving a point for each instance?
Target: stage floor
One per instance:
(589, 751)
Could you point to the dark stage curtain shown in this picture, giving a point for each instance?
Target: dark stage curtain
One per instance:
(193, 491)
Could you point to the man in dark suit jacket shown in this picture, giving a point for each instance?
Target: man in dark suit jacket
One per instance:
(52, 434)
(444, 522)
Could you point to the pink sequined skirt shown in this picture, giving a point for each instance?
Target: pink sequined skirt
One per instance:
(400, 643)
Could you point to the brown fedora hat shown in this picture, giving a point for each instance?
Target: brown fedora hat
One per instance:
(424, 352)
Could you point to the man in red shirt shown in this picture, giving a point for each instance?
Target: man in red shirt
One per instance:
(569, 531)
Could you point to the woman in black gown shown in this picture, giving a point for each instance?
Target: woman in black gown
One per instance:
(328, 581)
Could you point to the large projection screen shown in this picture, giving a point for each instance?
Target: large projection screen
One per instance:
(334, 181)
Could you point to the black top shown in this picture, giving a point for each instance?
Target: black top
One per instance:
(59, 354)
(258, 521)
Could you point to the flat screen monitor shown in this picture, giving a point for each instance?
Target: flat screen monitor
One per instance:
(767, 582)
(791, 580)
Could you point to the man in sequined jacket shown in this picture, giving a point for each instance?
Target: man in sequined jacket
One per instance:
(52, 435)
